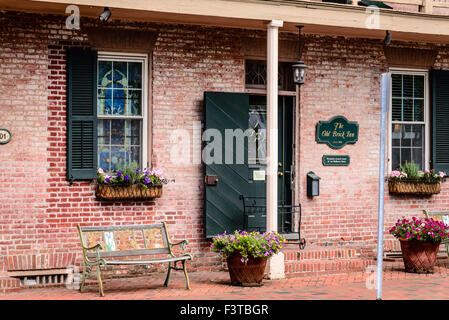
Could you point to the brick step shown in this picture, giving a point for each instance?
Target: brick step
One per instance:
(320, 253)
(326, 267)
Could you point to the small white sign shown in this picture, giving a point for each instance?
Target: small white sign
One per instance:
(259, 175)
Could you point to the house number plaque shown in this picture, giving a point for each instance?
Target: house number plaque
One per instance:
(5, 136)
(337, 132)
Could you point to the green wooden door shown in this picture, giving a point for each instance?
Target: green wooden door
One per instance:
(225, 113)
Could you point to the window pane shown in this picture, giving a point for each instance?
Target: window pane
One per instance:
(134, 102)
(418, 157)
(135, 75)
(407, 113)
(134, 155)
(418, 86)
(104, 73)
(396, 82)
(119, 142)
(406, 155)
(118, 157)
(119, 102)
(418, 110)
(407, 86)
(118, 132)
(133, 132)
(406, 140)
(395, 158)
(120, 74)
(396, 109)
(257, 122)
(104, 101)
(418, 135)
(104, 131)
(104, 157)
(396, 134)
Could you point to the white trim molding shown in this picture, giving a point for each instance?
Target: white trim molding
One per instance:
(134, 57)
(426, 122)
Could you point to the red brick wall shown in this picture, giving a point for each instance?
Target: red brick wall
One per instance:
(39, 209)
(23, 161)
(344, 79)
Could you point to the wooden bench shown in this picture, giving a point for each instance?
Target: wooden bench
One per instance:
(440, 216)
(132, 245)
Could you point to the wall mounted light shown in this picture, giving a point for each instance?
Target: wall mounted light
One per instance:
(299, 68)
(387, 38)
(105, 15)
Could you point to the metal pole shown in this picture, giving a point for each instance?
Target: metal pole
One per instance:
(385, 100)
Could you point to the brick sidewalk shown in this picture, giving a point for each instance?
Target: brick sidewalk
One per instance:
(215, 286)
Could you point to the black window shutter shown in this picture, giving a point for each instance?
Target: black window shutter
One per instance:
(81, 114)
(440, 120)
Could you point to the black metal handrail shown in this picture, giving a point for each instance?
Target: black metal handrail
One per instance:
(256, 206)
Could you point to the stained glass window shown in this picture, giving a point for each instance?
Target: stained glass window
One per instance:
(120, 85)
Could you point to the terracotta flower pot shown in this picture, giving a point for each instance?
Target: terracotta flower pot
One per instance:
(247, 275)
(419, 256)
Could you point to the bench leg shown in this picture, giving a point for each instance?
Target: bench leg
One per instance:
(86, 271)
(167, 279)
(100, 283)
(184, 267)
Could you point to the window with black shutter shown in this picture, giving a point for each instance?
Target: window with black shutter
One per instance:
(106, 112)
(81, 114)
(440, 120)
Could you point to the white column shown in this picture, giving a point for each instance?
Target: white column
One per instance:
(276, 268)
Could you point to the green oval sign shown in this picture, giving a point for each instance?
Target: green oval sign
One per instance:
(337, 132)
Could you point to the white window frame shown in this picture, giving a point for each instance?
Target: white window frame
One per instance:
(426, 121)
(132, 57)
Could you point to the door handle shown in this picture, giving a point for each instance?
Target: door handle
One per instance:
(280, 174)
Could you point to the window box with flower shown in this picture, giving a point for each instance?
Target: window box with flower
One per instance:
(247, 254)
(409, 180)
(130, 183)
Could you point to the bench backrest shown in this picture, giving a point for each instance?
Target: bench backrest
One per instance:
(130, 240)
(438, 215)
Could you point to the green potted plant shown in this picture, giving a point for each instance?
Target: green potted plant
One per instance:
(247, 254)
(129, 183)
(420, 240)
(409, 180)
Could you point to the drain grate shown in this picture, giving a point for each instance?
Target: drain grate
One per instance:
(47, 277)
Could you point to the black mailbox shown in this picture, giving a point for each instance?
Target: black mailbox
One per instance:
(313, 184)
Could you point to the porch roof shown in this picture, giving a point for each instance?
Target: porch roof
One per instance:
(317, 17)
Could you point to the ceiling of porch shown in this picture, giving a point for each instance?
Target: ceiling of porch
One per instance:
(317, 17)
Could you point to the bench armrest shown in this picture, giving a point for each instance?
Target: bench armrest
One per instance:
(96, 247)
(182, 244)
